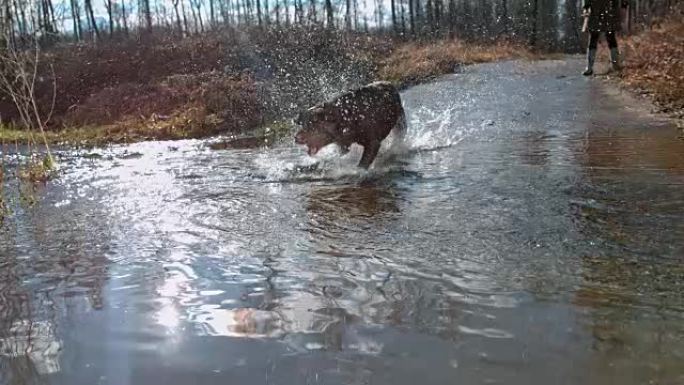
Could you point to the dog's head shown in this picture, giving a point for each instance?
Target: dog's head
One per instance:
(319, 127)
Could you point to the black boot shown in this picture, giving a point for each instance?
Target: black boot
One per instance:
(591, 57)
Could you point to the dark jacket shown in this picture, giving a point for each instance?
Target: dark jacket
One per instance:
(605, 14)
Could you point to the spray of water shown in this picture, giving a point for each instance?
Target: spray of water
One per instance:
(434, 129)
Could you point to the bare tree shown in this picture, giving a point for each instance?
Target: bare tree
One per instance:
(19, 73)
(412, 17)
(178, 18)
(91, 15)
(185, 18)
(51, 8)
(124, 16)
(76, 16)
(571, 27)
(534, 22)
(347, 15)
(356, 15)
(277, 12)
(403, 16)
(194, 15)
(329, 12)
(312, 11)
(299, 12)
(110, 12)
(394, 15)
(504, 15)
(267, 17)
(258, 9)
(380, 13)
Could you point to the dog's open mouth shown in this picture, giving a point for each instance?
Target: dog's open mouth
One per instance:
(313, 150)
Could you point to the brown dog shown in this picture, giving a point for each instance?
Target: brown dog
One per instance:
(364, 115)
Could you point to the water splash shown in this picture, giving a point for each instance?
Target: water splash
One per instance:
(433, 129)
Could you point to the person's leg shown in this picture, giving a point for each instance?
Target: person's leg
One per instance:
(614, 53)
(591, 53)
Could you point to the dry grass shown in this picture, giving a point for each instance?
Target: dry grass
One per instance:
(415, 62)
(655, 64)
(192, 122)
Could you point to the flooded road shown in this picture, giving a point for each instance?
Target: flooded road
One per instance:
(531, 233)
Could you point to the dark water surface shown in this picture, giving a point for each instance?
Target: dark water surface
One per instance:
(532, 233)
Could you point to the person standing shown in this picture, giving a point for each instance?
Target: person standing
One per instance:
(604, 16)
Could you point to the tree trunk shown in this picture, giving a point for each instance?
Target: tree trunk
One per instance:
(504, 14)
(267, 13)
(533, 30)
(418, 16)
(178, 19)
(394, 15)
(287, 16)
(185, 17)
(10, 27)
(403, 17)
(199, 16)
(356, 15)
(194, 17)
(277, 12)
(258, 9)
(47, 20)
(89, 10)
(329, 12)
(76, 20)
(452, 17)
(313, 17)
(247, 12)
(380, 13)
(572, 28)
(40, 13)
(347, 15)
(212, 16)
(110, 13)
(55, 27)
(412, 17)
(147, 13)
(124, 16)
(23, 26)
(299, 12)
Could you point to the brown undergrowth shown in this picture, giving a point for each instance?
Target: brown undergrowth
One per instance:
(654, 63)
(412, 63)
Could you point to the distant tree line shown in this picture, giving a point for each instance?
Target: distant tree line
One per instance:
(547, 24)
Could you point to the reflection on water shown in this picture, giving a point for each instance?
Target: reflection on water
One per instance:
(534, 241)
(367, 199)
